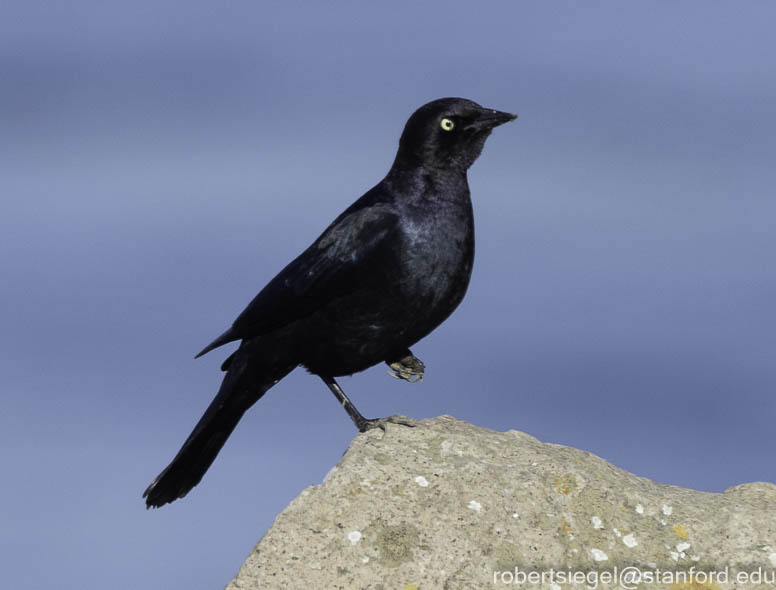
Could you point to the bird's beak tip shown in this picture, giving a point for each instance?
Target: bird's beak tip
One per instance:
(507, 116)
(495, 118)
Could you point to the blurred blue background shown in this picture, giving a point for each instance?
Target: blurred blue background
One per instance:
(161, 161)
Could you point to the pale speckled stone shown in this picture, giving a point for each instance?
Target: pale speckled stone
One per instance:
(430, 537)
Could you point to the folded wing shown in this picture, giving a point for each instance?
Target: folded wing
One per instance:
(336, 264)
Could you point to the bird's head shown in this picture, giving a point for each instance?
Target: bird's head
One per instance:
(448, 133)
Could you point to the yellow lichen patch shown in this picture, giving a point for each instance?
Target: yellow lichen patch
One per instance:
(681, 531)
(410, 587)
(565, 527)
(694, 584)
(564, 485)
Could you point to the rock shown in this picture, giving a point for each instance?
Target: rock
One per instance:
(447, 505)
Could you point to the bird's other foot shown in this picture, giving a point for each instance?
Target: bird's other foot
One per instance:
(367, 424)
(409, 367)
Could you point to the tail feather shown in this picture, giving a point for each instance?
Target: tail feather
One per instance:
(238, 392)
(224, 338)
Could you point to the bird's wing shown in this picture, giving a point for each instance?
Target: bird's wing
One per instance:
(339, 262)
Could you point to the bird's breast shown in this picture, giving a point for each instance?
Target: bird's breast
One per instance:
(435, 258)
(414, 284)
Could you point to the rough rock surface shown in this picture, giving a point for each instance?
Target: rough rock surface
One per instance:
(447, 505)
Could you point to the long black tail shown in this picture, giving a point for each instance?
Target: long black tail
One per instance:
(242, 387)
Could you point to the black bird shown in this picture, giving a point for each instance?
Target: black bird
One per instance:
(383, 275)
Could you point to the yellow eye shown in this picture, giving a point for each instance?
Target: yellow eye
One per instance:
(447, 124)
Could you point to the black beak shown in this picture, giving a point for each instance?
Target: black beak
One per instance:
(488, 119)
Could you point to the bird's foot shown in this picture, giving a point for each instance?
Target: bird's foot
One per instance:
(410, 368)
(367, 424)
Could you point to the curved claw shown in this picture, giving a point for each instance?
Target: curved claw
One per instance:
(411, 377)
(371, 423)
(409, 368)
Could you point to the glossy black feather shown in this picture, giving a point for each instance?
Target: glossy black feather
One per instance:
(382, 276)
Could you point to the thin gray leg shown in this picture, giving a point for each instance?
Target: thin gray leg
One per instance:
(363, 424)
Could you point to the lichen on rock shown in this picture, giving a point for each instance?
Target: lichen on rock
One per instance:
(447, 505)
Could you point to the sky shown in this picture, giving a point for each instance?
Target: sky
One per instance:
(160, 162)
